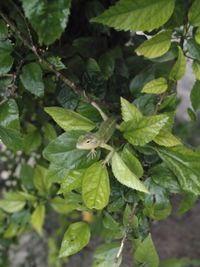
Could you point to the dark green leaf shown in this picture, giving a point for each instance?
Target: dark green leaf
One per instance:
(31, 79)
(184, 163)
(62, 152)
(11, 138)
(9, 115)
(49, 19)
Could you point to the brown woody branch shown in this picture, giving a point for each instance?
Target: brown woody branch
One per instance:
(123, 241)
(78, 90)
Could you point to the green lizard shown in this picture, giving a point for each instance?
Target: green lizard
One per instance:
(90, 141)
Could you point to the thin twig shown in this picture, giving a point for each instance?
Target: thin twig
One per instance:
(123, 241)
(78, 90)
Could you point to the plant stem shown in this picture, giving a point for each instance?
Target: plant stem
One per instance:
(78, 90)
(123, 241)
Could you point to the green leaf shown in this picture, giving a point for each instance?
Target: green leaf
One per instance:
(157, 46)
(164, 177)
(166, 138)
(3, 30)
(12, 202)
(136, 15)
(40, 181)
(64, 206)
(124, 175)
(9, 115)
(11, 138)
(10, 231)
(62, 152)
(49, 131)
(131, 161)
(196, 69)
(6, 60)
(76, 237)
(32, 140)
(193, 15)
(107, 65)
(184, 163)
(178, 69)
(37, 218)
(71, 181)
(129, 111)
(146, 253)
(156, 204)
(56, 61)
(55, 174)
(69, 120)
(157, 86)
(95, 186)
(31, 79)
(195, 96)
(197, 35)
(48, 19)
(193, 49)
(187, 203)
(142, 132)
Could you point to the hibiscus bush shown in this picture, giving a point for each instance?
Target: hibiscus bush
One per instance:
(65, 67)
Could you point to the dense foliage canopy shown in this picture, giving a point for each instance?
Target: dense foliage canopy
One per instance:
(64, 66)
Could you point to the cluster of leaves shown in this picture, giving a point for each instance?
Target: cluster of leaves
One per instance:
(128, 56)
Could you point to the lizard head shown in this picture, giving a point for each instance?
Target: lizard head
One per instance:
(88, 141)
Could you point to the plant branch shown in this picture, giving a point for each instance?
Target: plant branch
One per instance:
(123, 241)
(78, 90)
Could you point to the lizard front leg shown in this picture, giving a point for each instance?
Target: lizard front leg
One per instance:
(110, 154)
(92, 153)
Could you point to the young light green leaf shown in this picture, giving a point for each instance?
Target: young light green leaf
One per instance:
(157, 46)
(195, 96)
(48, 19)
(129, 111)
(49, 131)
(31, 79)
(76, 237)
(69, 120)
(72, 180)
(135, 15)
(37, 218)
(144, 131)
(178, 69)
(62, 152)
(184, 163)
(12, 202)
(146, 253)
(157, 86)
(166, 138)
(131, 161)
(193, 15)
(95, 186)
(124, 175)
(196, 69)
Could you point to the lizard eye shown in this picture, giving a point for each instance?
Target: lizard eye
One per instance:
(88, 141)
